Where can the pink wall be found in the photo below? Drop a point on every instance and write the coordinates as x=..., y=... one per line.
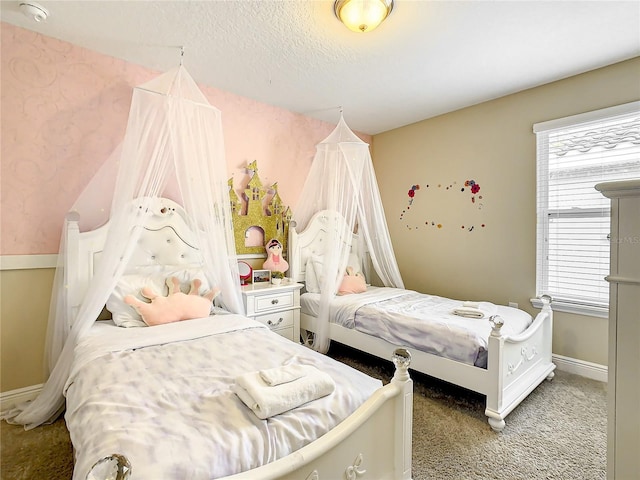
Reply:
x=64, y=109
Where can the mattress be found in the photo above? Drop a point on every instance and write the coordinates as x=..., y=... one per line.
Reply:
x=421, y=321
x=162, y=396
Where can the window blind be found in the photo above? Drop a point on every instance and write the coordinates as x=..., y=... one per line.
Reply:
x=573, y=155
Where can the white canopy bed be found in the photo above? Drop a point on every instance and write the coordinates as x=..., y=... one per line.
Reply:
x=162, y=401
x=163, y=397
x=341, y=197
x=504, y=367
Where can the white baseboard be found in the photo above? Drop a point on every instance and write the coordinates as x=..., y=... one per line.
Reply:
x=590, y=370
x=10, y=399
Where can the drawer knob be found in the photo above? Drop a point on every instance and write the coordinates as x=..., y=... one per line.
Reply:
x=270, y=323
x=274, y=301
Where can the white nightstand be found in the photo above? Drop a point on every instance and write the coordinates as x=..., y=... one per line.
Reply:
x=277, y=306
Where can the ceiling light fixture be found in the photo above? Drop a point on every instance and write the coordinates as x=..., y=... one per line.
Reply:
x=34, y=11
x=362, y=15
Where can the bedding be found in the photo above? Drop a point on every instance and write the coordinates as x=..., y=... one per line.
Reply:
x=421, y=321
x=163, y=396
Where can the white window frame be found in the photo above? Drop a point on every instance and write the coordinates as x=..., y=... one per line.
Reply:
x=568, y=304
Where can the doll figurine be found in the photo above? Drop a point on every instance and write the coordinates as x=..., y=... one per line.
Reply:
x=275, y=262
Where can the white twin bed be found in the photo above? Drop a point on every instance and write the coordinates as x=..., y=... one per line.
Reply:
x=162, y=398
x=503, y=355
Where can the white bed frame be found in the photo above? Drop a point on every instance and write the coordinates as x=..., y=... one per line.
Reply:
x=374, y=442
x=516, y=365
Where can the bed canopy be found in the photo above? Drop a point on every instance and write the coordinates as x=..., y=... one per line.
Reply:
x=173, y=148
x=342, y=180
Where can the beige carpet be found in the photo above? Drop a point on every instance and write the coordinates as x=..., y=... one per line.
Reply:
x=558, y=432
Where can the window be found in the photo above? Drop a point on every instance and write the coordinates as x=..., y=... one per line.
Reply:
x=573, y=155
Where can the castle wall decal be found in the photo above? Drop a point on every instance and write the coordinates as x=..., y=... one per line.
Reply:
x=258, y=215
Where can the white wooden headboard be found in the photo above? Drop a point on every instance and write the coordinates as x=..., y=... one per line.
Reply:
x=166, y=240
x=311, y=242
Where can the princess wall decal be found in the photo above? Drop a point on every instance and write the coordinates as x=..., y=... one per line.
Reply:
x=436, y=207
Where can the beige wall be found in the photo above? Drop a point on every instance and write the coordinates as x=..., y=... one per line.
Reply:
x=493, y=144
x=24, y=308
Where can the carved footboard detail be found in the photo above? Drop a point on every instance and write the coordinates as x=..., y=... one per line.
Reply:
x=524, y=358
x=354, y=471
x=517, y=364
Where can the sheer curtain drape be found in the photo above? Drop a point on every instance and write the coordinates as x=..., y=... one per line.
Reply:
x=342, y=179
x=173, y=147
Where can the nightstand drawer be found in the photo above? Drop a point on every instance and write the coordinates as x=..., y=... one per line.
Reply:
x=277, y=320
x=264, y=303
x=276, y=306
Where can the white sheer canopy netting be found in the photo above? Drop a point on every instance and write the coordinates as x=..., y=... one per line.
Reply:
x=173, y=147
x=342, y=180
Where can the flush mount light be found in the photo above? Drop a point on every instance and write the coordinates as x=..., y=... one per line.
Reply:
x=34, y=11
x=362, y=15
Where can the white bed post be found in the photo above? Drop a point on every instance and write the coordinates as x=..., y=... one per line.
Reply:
x=404, y=412
x=495, y=368
x=71, y=265
x=547, y=353
x=293, y=253
x=517, y=364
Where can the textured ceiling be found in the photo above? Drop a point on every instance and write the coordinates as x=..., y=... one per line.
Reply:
x=427, y=58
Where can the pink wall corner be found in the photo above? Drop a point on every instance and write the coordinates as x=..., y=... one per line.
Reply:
x=64, y=110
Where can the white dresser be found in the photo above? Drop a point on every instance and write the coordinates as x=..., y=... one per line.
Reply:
x=623, y=399
x=277, y=306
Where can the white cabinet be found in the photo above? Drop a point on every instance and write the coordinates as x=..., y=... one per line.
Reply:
x=623, y=390
x=277, y=306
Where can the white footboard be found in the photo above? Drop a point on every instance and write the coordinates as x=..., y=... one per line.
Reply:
x=515, y=365
x=518, y=364
x=372, y=443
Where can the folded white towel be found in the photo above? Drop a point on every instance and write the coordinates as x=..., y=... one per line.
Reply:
x=475, y=309
x=285, y=374
x=267, y=401
x=469, y=312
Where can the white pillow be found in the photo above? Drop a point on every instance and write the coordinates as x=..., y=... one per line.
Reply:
x=313, y=274
x=124, y=315
x=313, y=271
x=354, y=262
